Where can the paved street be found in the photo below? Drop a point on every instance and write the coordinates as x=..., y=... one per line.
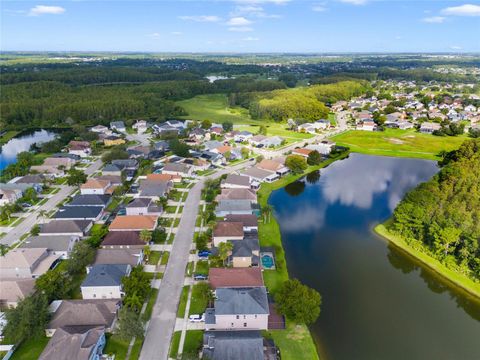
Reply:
x=14, y=235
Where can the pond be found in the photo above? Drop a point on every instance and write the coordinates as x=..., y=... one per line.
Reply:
x=22, y=142
x=377, y=302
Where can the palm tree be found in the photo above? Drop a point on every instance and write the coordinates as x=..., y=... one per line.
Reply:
x=147, y=251
x=267, y=211
x=145, y=235
x=42, y=214
x=224, y=250
x=3, y=249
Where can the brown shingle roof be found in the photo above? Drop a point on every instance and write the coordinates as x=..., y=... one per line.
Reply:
x=95, y=184
x=235, y=277
x=237, y=194
x=271, y=165
x=162, y=177
x=123, y=238
x=226, y=228
x=246, y=220
x=133, y=222
x=304, y=152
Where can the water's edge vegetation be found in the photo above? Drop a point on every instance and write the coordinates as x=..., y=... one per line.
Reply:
x=452, y=277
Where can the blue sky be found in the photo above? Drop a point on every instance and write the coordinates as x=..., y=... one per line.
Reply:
x=241, y=26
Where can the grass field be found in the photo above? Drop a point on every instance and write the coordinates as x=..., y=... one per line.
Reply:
x=215, y=108
x=459, y=280
x=400, y=143
x=277, y=129
x=295, y=342
x=30, y=349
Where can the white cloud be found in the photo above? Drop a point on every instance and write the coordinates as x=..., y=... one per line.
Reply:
x=276, y=2
x=354, y=2
x=176, y=33
x=250, y=38
x=398, y=37
x=238, y=21
x=154, y=35
x=455, y=47
x=462, y=10
x=44, y=9
x=319, y=8
x=240, y=29
x=200, y=18
x=434, y=19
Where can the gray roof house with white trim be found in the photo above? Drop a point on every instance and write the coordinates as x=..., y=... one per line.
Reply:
x=233, y=345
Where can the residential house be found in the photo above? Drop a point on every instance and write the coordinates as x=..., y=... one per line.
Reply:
x=183, y=170
x=235, y=277
x=100, y=129
x=242, y=136
x=234, y=181
x=101, y=201
x=154, y=188
x=367, y=125
x=273, y=166
x=212, y=144
x=257, y=140
x=225, y=230
x=118, y=126
x=115, y=180
x=26, y=263
x=123, y=240
x=112, y=170
x=302, y=152
x=75, y=344
x=35, y=181
x=14, y=290
x=80, y=148
x=133, y=223
x=197, y=134
x=48, y=171
x=165, y=129
x=214, y=158
x=104, y=281
x=324, y=147
x=93, y=213
x=61, y=245
x=237, y=345
x=250, y=222
x=238, y=207
x=77, y=314
x=141, y=126
x=73, y=157
x=238, y=309
x=246, y=252
x=237, y=194
x=9, y=196
x=95, y=187
x=164, y=177
x=78, y=228
x=429, y=127
x=260, y=175
x=162, y=145
x=143, y=206
x=60, y=162
x=132, y=257
x=113, y=141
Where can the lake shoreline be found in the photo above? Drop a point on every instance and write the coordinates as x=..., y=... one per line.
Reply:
x=269, y=235
x=453, y=278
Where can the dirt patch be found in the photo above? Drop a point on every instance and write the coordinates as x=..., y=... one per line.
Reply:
x=396, y=141
x=298, y=333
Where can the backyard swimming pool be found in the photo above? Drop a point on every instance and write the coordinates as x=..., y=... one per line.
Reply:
x=267, y=261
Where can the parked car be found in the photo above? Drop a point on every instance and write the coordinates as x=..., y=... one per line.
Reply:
x=197, y=318
x=200, y=277
x=26, y=205
x=204, y=253
x=122, y=212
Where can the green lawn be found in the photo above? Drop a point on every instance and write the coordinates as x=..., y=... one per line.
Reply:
x=453, y=277
x=401, y=143
x=165, y=257
x=202, y=267
x=277, y=129
x=198, y=303
x=151, y=301
x=295, y=342
x=136, y=349
x=8, y=136
x=174, y=344
x=173, y=209
x=193, y=343
x=30, y=349
x=154, y=257
x=116, y=346
x=183, y=302
x=113, y=204
x=215, y=108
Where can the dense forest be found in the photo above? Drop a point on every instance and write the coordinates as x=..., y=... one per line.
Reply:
x=299, y=103
x=442, y=216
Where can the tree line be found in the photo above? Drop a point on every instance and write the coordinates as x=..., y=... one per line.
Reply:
x=441, y=216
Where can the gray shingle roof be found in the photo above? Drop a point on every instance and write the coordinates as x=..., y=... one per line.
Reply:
x=233, y=345
x=78, y=212
x=234, y=205
x=106, y=275
x=139, y=202
x=89, y=200
x=237, y=180
x=245, y=247
x=65, y=226
x=50, y=242
x=241, y=301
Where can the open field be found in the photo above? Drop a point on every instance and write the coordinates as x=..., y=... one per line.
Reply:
x=215, y=108
x=459, y=280
x=276, y=129
x=400, y=143
x=295, y=342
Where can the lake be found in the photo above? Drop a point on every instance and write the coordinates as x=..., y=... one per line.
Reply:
x=377, y=302
x=22, y=142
